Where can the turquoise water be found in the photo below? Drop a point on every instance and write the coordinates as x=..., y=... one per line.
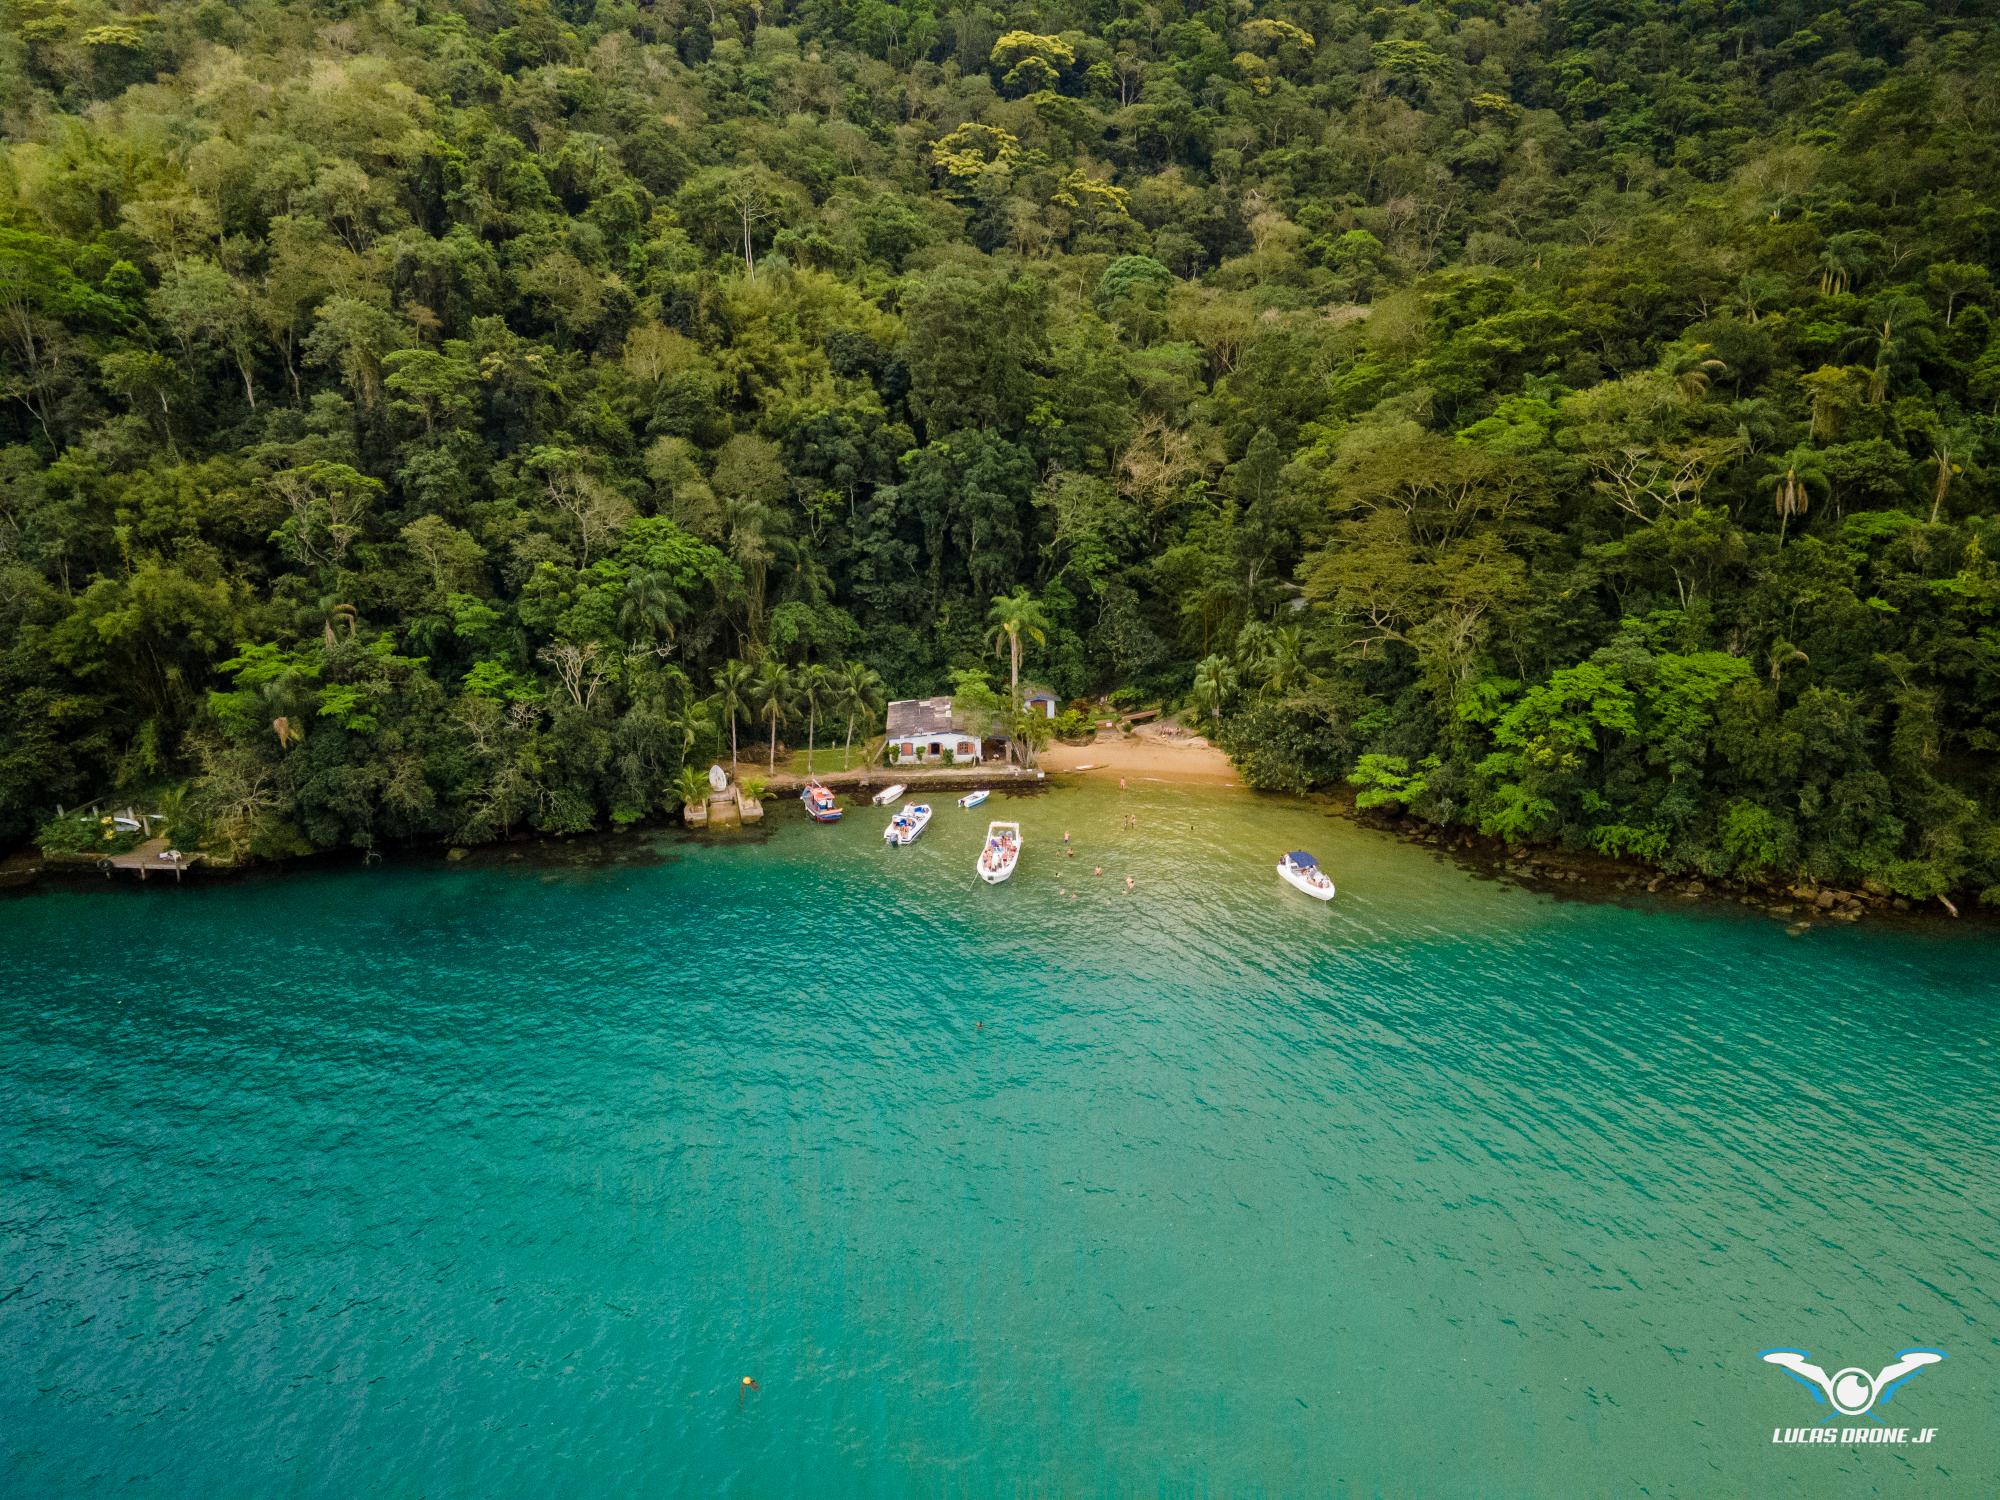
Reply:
x=496, y=1179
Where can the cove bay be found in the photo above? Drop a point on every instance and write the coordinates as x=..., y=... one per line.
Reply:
x=500, y=1178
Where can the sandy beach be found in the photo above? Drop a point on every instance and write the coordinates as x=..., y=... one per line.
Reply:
x=1143, y=757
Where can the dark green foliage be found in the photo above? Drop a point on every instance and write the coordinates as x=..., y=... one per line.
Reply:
x=1575, y=421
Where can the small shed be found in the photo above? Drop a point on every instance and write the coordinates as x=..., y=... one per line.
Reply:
x=1042, y=701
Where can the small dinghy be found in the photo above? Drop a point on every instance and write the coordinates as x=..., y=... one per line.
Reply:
x=1301, y=871
x=973, y=799
x=820, y=806
x=1002, y=852
x=907, y=824
x=889, y=794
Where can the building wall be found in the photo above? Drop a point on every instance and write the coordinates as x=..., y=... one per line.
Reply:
x=964, y=749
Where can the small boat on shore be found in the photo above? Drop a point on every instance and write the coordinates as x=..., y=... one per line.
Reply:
x=820, y=806
x=907, y=824
x=973, y=799
x=889, y=794
x=1002, y=852
x=1301, y=871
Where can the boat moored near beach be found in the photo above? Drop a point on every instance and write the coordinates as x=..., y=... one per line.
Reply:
x=1301, y=871
x=889, y=794
x=907, y=824
x=1002, y=852
x=973, y=799
x=820, y=806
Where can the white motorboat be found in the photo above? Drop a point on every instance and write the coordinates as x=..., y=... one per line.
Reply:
x=907, y=824
x=1301, y=871
x=889, y=794
x=1001, y=853
x=973, y=799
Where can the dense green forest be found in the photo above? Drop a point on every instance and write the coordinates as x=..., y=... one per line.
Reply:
x=1573, y=421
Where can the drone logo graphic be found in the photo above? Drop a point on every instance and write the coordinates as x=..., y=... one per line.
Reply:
x=1851, y=1392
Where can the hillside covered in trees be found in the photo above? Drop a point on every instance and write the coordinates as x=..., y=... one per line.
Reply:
x=1574, y=420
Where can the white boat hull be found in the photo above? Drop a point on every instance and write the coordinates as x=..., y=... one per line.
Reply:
x=1300, y=880
x=889, y=794
x=972, y=799
x=907, y=824
x=1000, y=853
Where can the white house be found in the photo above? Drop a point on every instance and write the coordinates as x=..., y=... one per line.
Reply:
x=923, y=729
x=1041, y=701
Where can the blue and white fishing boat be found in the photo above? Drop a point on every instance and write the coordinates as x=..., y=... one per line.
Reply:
x=1301, y=871
x=973, y=799
x=820, y=806
x=907, y=824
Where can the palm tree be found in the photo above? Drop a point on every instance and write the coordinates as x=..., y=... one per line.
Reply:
x=1843, y=259
x=651, y=608
x=1695, y=371
x=1756, y=423
x=690, y=725
x=1214, y=681
x=690, y=786
x=1793, y=478
x=862, y=694
x=1011, y=617
x=1783, y=654
x=1888, y=332
x=1948, y=447
x=732, y=697
x=1834, y=390
x=771, y=691
x=813, y=684
x=1282, y=661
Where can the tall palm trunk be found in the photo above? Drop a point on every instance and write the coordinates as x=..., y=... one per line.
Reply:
x=1013, y=688
x=772, y=766
x=847, y=755
x=812, y=724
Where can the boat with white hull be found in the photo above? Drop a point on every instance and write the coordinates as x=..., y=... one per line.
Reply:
x=907, y=824
x=1301, y=871
x=889, y=794
x=972, y=799
x=1001, y=853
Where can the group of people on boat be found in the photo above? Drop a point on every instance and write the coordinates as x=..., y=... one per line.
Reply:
x=1000, y=848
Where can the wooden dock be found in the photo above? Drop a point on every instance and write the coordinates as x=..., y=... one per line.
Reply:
x=147, y=860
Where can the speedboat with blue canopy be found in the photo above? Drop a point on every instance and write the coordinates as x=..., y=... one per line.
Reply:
x=1301, y=871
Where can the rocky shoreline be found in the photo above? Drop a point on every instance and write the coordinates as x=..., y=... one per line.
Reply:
x=1603, y=876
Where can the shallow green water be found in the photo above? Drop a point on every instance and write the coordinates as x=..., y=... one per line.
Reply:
x=496, y=1179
